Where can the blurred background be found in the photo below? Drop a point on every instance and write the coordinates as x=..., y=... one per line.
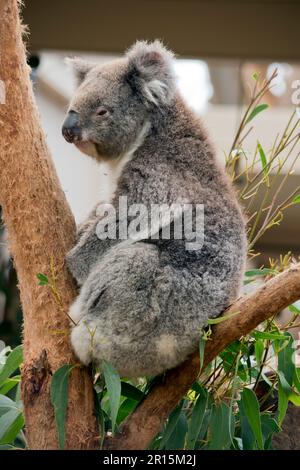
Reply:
x=219, y=45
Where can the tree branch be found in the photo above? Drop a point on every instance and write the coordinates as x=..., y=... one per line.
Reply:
x=41, y=229
x=147, y=420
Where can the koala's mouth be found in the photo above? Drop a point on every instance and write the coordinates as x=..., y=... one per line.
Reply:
x=84, y=145
x=87, y=147
x=73, y=133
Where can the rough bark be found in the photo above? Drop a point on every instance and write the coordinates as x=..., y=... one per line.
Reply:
x=41, y=228
x=142, y=426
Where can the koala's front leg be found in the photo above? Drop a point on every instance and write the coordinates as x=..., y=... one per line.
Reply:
x=73, y=258
x=81, y=256
x=87, y=224
x=88, y=249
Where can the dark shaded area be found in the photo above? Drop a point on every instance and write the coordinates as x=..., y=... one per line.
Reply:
x=33, y=61
x=10, y=308
x=243, y=29
x=289, y=437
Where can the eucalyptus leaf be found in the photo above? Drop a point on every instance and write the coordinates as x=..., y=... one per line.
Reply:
x=286, y=363
x=215, y=321
x=219, y=428
x=59, y=399
x=196, y=420
x=8, y=447
x=297, y=378
x=13, y=361
x=247, y=436
x=129, y=391
x=282, y=404
x=9, y=384
x=264, y=162
x=269, y=427
x=177, y=438
x=13, y=430
x=259, y=350
x=127, y=407
x=7, y=403
x=3, y=355
x=171, y=424
x=295, y=310
x=295, y=399
x=296, y=199
x=251, y=409
x=258, y=109
x=284, y=384
x=268, y=335
x=259, y=272
x=202, y=344
x=6, y=422
x=113, y=384
x=202, y=441
x=43, y=279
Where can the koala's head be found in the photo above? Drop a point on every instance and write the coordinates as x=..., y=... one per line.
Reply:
x=115, y=101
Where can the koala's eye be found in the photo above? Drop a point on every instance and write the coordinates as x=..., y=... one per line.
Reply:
x=101, y=111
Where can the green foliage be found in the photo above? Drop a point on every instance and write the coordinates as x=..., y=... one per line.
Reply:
x=296, y=199
x=224, y=411
x=259, y=272
x=43, y=279
x=11, y=407
x=260, y=176
x=177, y=438
x=197, y=418
x=215, y=321
x=250, y=407
x=113, y=383
x=170, y=426
x=59, y=400
x=258, y=109
x=12, y=362
x=220, y=427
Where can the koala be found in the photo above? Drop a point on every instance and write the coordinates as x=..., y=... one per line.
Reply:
x=144, y=301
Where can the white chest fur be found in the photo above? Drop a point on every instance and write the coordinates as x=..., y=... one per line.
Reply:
x=111, y=171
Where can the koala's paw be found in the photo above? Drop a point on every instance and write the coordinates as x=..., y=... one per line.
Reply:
x=76, y=310
x=81, y=343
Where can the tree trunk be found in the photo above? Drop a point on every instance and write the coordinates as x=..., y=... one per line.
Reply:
x=41, y=230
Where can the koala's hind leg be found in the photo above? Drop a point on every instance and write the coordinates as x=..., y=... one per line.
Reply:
x=117, y=309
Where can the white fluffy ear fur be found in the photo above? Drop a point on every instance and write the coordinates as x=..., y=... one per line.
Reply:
x=80, y=67
x=151, y=71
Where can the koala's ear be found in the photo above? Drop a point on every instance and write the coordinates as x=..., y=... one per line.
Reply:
x=79, y=66
x=151, y=71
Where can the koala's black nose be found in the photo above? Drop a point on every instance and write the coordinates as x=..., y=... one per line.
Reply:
x=71, y=129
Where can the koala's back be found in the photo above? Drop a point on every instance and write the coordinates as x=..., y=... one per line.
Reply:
x=178, y=164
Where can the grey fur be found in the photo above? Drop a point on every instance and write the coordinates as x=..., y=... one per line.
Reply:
x=142, y=305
